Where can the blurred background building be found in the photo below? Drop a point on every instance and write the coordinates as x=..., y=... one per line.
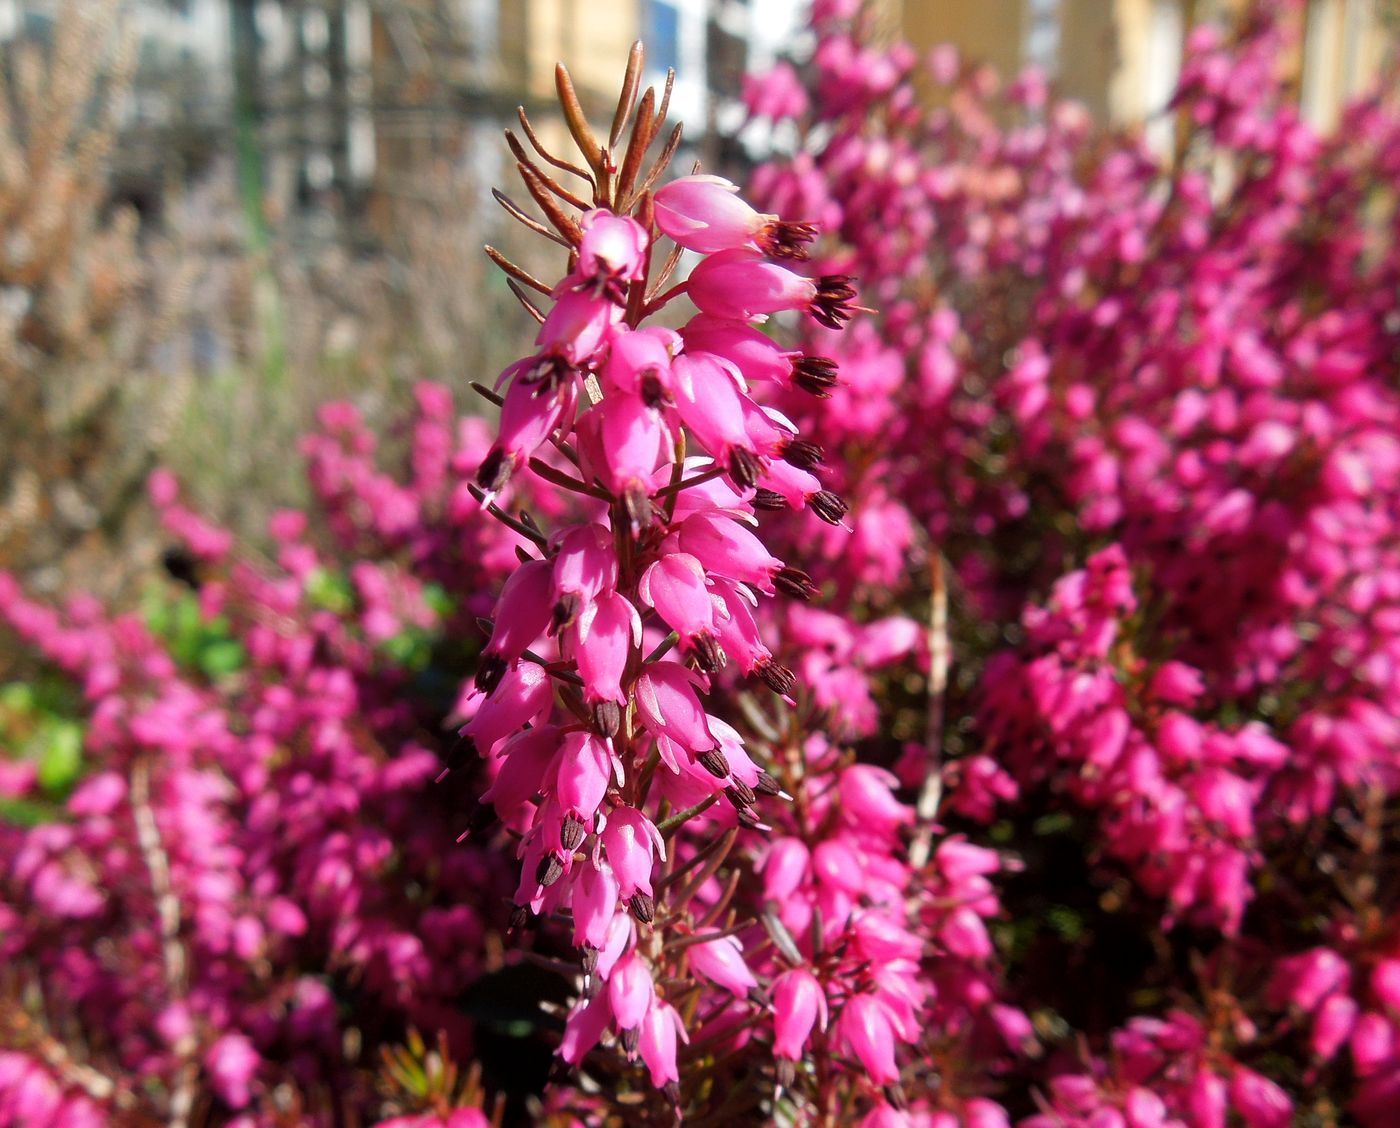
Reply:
x=1121, y=57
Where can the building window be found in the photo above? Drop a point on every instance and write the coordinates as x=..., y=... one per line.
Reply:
x=661, y=33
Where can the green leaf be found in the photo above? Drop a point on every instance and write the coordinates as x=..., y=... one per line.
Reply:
x=61, y=760
x=221, y=657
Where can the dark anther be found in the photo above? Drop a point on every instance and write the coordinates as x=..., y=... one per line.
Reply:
x=714, y=762
x=638, y=504
x=741, y=794
x=795, y=582
x=643, y=907
x=631, y=1038
x=607, y=718
x=550, y=870
x=769, y=499
x=786, y=240
x=744, y=468
x=519, y=916
x=814, y=374
x=489, y=674
x=708, y=653
x=494, y=471
x=803, y=453
x=777, y=677
x=653, y=391
x=571, y=832
x=547, y=374
x=565, y=612
x=748, y=817
x=590, y=960
x=832, y=305
x=462, y=751
x=828, y=506
x=767, y=785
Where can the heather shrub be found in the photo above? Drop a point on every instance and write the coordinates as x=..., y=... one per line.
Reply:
x=967, y=701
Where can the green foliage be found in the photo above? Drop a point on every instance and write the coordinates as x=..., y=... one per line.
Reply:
x=204, y=645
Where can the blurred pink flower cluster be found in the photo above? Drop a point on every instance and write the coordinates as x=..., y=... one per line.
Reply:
x=1145, y=418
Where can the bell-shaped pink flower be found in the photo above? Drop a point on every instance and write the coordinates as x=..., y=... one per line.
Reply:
x=624, y=442
x=523, y=696
x=705, y=213
x=726, y=548
x=584, y=1027
x=799, y=1003
x=711, y=404
x=586, y=767
x=674, y=587
x=750, y=351
x=1260, y=1102
x=669, y=707
x=721, y=961
x=632, y=843
x=1333, y=1024
x=529, y=415
x=639, y=363
x=867, y=796
x=522, y=613
x=600, y=641
x=659, y=1031
x=785, y=868
x=585, y=566
x=867, y=1032
x=577, y=326
x=611, y=252
x=525, y=759
x=631, y=990
x=743, y=284
x=595, y=893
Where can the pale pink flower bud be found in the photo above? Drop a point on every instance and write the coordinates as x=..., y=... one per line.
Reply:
x=866, y=1029
x=631, y=991
x=721, y=961
x=584, y=1027
x=232, y=1064
x=799, y=1003
x=1335, y=1020
x=595, y=894
x=1260, y=1102
x=658, y=1042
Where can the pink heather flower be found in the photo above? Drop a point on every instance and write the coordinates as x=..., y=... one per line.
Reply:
x=600, y=642
x=660, y=1028
x=1333, y=1025
x=675, y=587
x=1260, y=1102
x=594, y=900
x=584, y=1027
x=866, y=1031
x=611, y=252
x=669, y=708
x=632, y=843
x=798, y=1004
x=232, y=1064
x=575, y=329
x=721, y=961
x=522, y=613
x=639, y=363
x=585, y=566
x=631, y=991
x=742, y=285
x=705, y=213
x=529, y=415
